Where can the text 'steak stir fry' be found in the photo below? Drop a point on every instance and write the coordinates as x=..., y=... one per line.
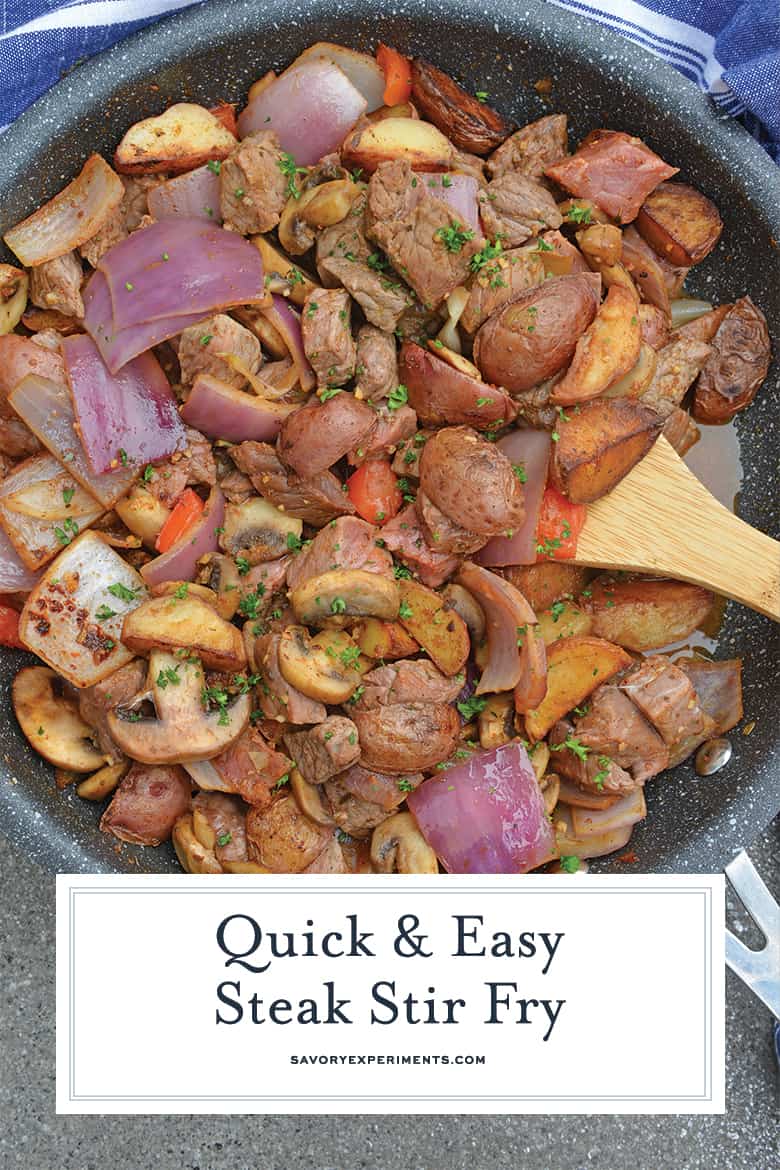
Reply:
x=300, y=416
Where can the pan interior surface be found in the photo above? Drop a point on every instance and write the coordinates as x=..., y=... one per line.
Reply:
x=212, y=53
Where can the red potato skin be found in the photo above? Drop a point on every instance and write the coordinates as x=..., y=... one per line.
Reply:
x=615, y=170
x=147, y=804
x=468, y=123
x=519, y=349
x=471, y=482
x=679, y=223
x=441, y=394
x=409, y=737
x=737, y=367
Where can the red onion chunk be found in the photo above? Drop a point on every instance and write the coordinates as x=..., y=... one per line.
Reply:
x=460, y=193
x=506, y=614
x=179, y=563
x=486, y=815
x=220, y=411
x=195, y=194
x=14, y=577
x=287, y=322
x=531, y=450
x=132, y=412
x=311, y=107
x=207, y=269
x=119, y=346
x=47, y=409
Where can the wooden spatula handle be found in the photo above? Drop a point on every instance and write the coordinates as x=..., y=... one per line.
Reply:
x=661, y=519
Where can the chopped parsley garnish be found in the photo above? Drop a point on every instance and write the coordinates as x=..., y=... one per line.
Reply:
x=219, y=698
x=286, y=165
x=328, y=393
x=338, y=605
x=573, y=744
x=350, y=655
x=248, y=605
x=214, y=166
x=485, y=401
x=454, y=236
x=68, y=532
x=294, y=542
x=604, y=763
x=570, y=864
x=471, y=707
x=168, y=677
x=557, y=610
x=67, y=495
x=520, y=472
x=123, y=592
x=312, y=308
x=122, y=456
x=358, y=691
x=579, y=214
x=181, y=591
x=401, y=573
x=377, y=261
x=148, y=473
x=405, y=610
x=481, y=95
x=206, y=338
x=295, y=276
x=405, y=785
x=224, y=838
x=243, y=566
x=104, y=612
x=485, y=255
x=398, y=397
x=280, y=783
x=543, y=246
x=446, y=181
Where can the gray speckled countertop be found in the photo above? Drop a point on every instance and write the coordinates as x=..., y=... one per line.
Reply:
x=32, y=1137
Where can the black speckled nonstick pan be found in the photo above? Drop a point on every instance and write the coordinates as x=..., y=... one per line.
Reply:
x=214, y=51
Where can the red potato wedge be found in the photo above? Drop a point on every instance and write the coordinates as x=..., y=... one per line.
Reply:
x=658, y=281
x=387, y=640
x=679, y=223
x=469, y=123
x=183, y=137
x=189, y=623
x=546, y=582
x=737, y=366
x=432, y=622
x=567, y=619
x=599, y=446
x=575, y=667
x=644, y=614
x=602, y=242
x=420, y=143
x=441, y=394
x=607, y=350
x=615, y=170
x=225, y=113
x=654, y=326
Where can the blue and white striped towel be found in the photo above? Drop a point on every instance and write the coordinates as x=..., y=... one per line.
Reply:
x=730, y=48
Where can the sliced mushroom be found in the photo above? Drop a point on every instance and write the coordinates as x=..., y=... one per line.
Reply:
x=193, y=855
x=102, y=783
x=465, y=604
x=332, y=598
x=398, y=846
x=14, y=283
x=497, y=721
x=279, y=267
x=309, y=799
x=258, y=531
x=188, y=588
x=51, y=721
x=455, y=360
x=551, y=789
x=539, y=755
x=188, y=623
x=296, y=233
x=143, y=514
x=177, y=727
x=219, y=573
x=320, y=667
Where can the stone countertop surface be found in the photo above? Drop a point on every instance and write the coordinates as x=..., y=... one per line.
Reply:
x=33, y=1137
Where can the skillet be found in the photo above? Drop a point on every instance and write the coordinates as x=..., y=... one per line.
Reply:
x=213, y=52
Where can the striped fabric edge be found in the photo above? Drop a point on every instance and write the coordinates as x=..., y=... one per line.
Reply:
x=100, y=14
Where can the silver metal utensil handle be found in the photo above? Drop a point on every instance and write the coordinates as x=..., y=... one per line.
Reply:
x=760, y=970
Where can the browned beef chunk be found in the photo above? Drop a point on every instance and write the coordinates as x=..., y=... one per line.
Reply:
x=377, y=788
x=424, y=241
x=236, y=487
x=147, y=804
x=206, y=348
x=317, y=435
x=666, y=697
x=253, y=187
x=407, y=681
x=194, y=465
x=391, y=428
x=404, y=536
x=679, y=363
x=345, y=240
x=381, y=295
x=515, y=208
x=324, y=750
x=277, y=699
x=593, y=771
x=327, y=336
x=614, y=727
x=347, y=543
x=316, y=499
x=531, y=149
x=251, y=768
x=96, y=701
x=56, y=284
x=377, y=363
x=132, y=211
x=353, y=814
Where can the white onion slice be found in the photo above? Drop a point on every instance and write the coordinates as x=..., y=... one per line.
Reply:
x=361, y=69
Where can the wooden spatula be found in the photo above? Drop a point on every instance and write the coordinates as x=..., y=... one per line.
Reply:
x=661, y=519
